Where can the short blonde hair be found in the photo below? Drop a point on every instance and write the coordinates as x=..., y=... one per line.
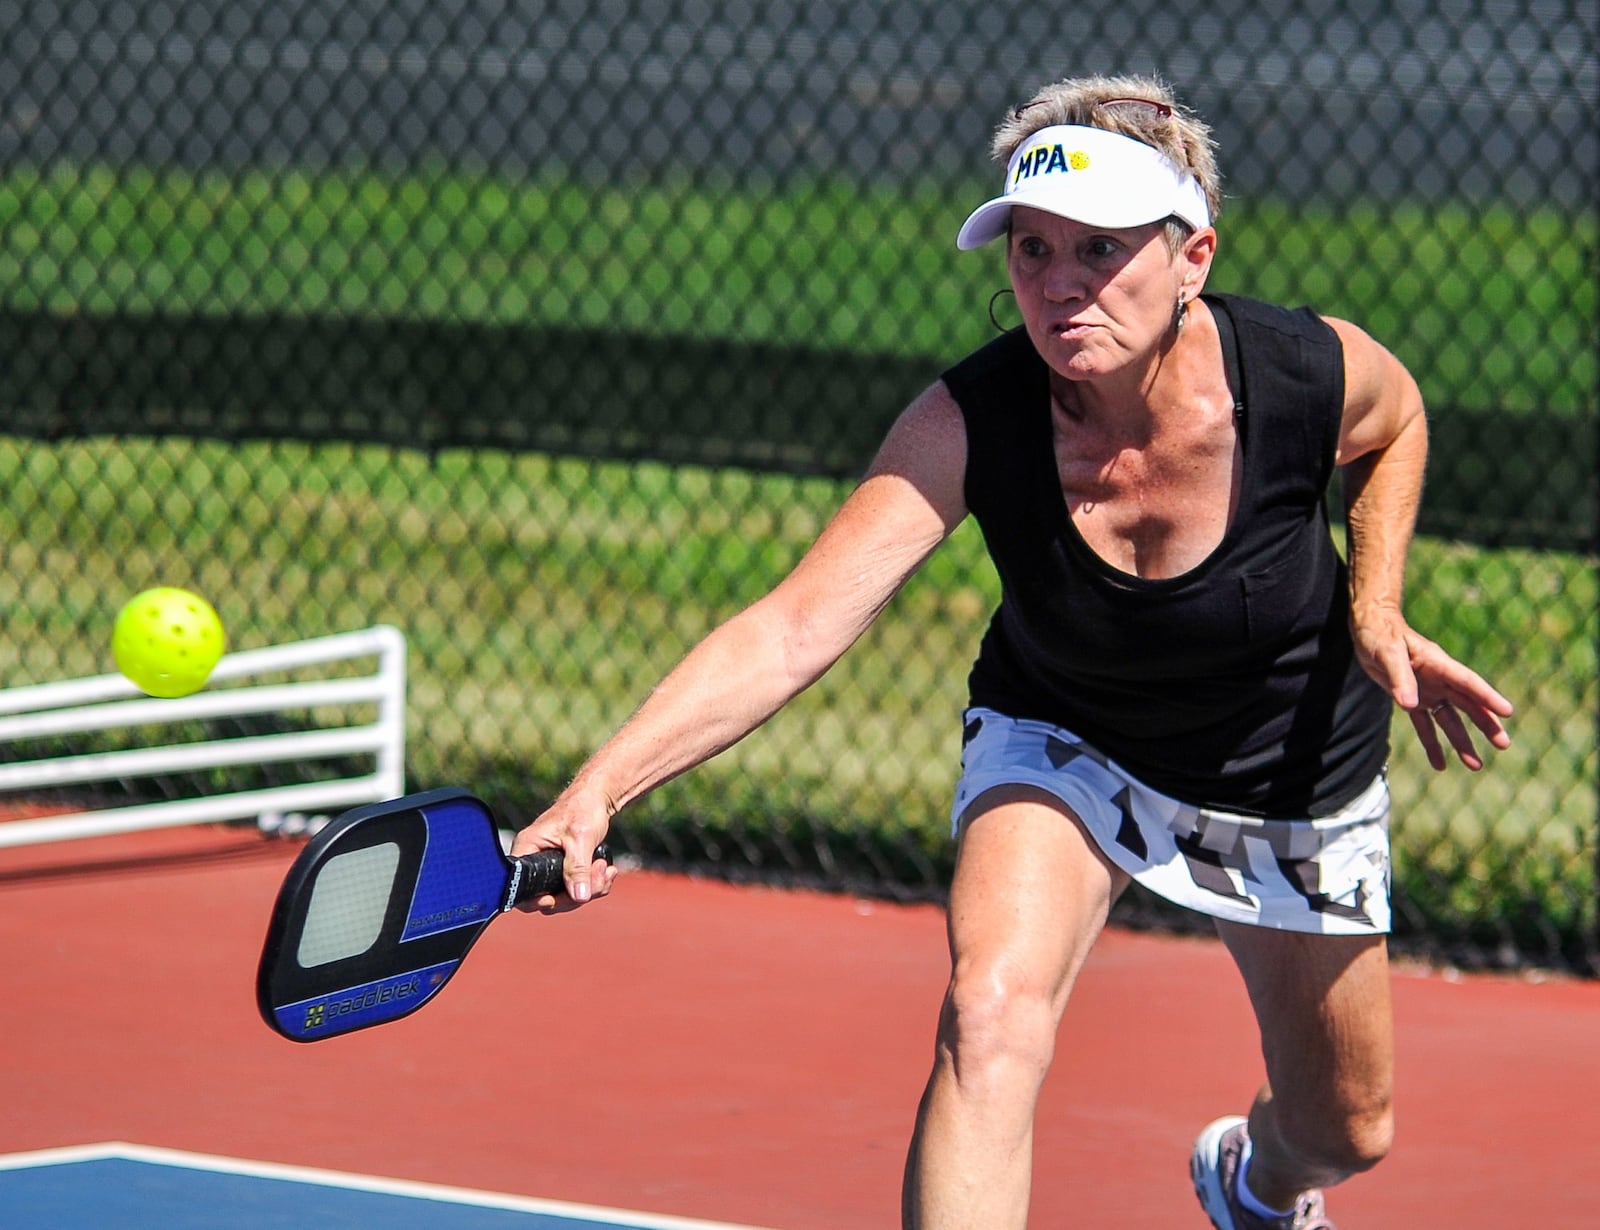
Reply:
x=1169, y=126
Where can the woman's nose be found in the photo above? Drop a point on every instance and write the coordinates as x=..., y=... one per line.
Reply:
x=1064, y=280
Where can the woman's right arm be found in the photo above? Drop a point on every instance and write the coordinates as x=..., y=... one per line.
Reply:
x=749, y=667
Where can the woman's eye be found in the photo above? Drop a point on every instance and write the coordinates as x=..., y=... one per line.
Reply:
x=1030, y=245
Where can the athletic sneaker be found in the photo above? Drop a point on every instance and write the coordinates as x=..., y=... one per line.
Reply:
x=1214, y=1167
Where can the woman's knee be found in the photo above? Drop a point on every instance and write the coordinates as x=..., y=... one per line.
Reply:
x=997, y=1025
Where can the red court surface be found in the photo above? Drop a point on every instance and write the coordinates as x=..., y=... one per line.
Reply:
x=730, y=1053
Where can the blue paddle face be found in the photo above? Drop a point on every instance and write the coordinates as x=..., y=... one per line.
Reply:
x=378, y=912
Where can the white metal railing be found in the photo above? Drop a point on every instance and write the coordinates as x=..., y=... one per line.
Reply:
x=110, y=702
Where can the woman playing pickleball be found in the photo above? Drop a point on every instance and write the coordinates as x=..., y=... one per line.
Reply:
x=1184, y=683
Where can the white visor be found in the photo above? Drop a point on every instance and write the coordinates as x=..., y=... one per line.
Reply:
x=1092, y=176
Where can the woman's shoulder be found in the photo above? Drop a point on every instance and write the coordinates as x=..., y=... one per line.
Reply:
x=1004, y=359
x=1253, y=316
x=1293, y=371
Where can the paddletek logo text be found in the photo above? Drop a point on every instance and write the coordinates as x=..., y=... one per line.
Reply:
x=325, y=1013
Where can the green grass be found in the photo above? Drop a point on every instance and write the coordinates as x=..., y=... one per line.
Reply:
x=1488, y=305
x=542, y=597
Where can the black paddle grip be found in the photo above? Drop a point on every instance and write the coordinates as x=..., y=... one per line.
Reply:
x=540, y=872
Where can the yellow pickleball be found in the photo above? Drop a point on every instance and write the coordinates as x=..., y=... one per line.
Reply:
x=167, y=641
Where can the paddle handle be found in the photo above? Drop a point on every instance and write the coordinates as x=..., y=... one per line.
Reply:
x=535, y=874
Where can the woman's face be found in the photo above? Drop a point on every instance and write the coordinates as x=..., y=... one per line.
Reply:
x=1096, y=301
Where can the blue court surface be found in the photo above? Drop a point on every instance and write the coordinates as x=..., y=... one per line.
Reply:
x=132, y=1187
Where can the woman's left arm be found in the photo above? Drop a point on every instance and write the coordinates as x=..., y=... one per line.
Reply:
x=1383, y=450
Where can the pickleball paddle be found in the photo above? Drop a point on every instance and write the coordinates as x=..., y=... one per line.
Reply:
x=383, y=905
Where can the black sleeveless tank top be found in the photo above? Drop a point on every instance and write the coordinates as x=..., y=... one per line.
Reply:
x=1232, y=686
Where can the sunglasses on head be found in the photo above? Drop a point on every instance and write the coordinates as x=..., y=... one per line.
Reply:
x=1160, y=109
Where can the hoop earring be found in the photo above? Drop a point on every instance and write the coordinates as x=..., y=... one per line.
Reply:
x=1004, y=290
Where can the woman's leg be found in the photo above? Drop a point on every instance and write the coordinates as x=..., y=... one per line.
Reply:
x=1030, y=896
x=1323, y=1006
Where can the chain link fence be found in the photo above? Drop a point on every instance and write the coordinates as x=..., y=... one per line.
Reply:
x=551, y=333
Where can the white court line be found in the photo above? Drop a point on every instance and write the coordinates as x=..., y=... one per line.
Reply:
x=121, y=1151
